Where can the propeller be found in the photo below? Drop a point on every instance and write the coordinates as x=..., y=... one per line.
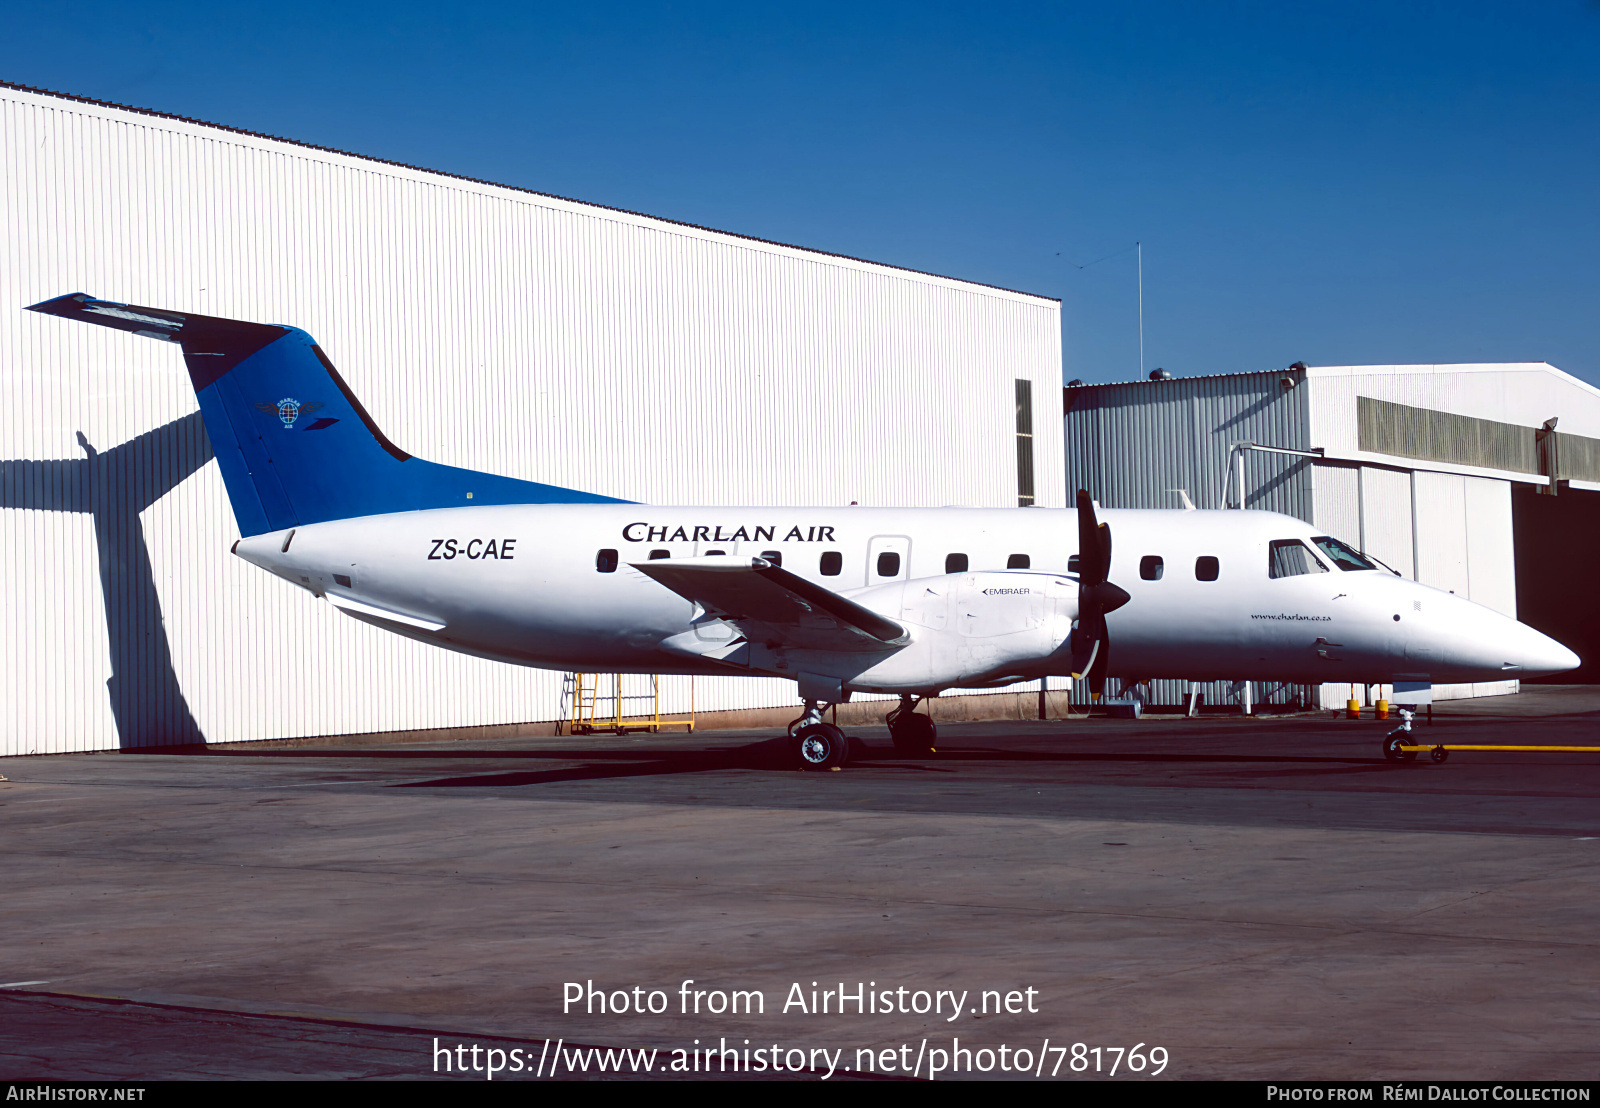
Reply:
x=1096, y=597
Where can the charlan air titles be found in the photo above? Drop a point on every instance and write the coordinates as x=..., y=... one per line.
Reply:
x=447, y=550
x=645, y=532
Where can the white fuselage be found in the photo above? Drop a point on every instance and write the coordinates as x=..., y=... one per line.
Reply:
x=528, y=584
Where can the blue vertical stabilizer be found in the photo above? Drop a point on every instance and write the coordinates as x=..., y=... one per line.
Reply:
x=294, y=443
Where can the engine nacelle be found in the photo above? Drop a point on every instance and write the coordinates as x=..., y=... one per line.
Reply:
x=968, y=628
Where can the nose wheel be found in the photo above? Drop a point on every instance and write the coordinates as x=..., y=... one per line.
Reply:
x=1394, y=749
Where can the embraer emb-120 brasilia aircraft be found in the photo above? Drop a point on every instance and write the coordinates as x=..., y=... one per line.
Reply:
x=911, y=601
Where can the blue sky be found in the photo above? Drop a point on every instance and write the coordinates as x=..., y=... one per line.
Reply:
x=1340, y=184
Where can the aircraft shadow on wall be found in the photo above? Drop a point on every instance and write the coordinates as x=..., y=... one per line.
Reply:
x=113, y=487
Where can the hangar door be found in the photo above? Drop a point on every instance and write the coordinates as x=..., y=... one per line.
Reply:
x=1557, y=567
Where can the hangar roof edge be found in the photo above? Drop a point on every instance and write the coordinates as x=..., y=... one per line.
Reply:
x=1449, y=367
x=1367, y=370
x=514, y=188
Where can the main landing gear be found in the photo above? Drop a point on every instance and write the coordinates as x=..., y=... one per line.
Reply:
x=818, y=745
x=912, y=733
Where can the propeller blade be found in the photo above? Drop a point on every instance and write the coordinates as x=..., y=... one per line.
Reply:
x=1097, y=674
x=1094, y=543
x=1091, y=647
x=1083, y=658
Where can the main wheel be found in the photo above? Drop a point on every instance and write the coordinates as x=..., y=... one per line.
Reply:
x=913, y=733
x=1392, y=749
x=820, y=746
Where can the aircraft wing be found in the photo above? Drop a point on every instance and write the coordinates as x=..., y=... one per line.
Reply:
x=772, y=605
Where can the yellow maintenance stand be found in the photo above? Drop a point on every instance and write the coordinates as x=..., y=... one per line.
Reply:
x=583, y=692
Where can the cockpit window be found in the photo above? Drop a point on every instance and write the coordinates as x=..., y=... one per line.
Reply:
x=1290, y=558
x=1345, y=557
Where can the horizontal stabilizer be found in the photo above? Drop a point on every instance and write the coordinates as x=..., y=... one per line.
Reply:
x=767, y=602
x=211, y=345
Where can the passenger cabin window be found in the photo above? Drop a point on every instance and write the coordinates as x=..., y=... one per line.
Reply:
x=606, y=561
x=888, y=564
x=1341, y=555
x=1206, y=568
x=713, y=553
x=1151, y=567
x=955, y=563
x=773, y=556
x=657, y=555
x=1017, y=561
x=1290, y=558
x=1072, y=564
x=832, y=563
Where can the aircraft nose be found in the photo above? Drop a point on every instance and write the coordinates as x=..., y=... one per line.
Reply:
x=1534, y=654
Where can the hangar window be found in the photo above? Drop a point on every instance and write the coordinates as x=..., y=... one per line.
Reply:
x=657, y=555
x=1206, y=568
x=773, y=556
x=1018, y=561
x=888, y=564
x=1151, y=567
x=955, y=563
x=832, y=563
x=1290, y=558
x=606, y=561
x=1343, y=556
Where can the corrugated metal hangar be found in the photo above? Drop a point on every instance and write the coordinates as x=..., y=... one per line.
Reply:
x=483, y=326
x=1480, y=479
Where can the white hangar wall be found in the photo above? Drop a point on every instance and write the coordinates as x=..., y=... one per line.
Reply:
x=483, y=326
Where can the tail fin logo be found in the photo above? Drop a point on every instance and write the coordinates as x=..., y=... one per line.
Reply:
x=289, y=410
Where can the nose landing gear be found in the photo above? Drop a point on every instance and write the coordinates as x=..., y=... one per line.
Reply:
x=1395, y=743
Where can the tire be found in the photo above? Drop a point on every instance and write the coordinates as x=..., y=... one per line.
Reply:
x=913, y=734
x=1392, y=751
x=820, y=746
x=1439, y=754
